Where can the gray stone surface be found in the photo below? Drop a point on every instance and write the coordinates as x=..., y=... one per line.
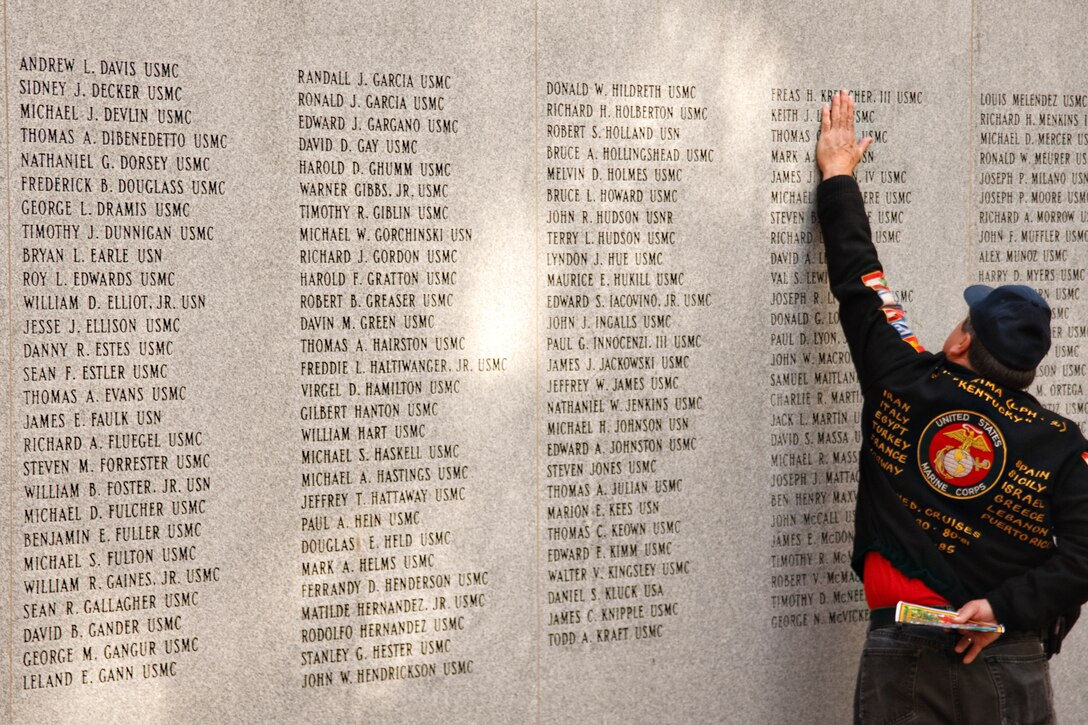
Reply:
x=513, y=392
x=1028, y=67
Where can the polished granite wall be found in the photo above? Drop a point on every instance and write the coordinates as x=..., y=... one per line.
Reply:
x=475, y=362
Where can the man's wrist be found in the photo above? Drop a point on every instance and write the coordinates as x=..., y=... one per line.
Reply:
x=832, y=172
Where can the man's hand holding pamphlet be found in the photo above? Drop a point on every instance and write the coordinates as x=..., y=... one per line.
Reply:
x=906, y=613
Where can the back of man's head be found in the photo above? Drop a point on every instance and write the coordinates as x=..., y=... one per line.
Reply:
x=1010, y=332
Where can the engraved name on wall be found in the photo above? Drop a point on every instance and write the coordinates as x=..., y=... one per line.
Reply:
x=115, y=198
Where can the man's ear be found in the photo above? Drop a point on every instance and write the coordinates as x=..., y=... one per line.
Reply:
x=959, y=348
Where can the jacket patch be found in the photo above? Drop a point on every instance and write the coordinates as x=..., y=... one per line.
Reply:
x=893, y=311
x=961, y=454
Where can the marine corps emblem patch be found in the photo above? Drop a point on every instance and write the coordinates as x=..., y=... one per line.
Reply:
x=961, y=454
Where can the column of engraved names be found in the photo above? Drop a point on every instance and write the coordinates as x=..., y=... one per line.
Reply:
x=813, y=392
x=113, y=191
x=621, y=343
x=383, y=369
x=1032, y=176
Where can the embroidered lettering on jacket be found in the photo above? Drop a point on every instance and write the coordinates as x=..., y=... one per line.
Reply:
x=893, y=311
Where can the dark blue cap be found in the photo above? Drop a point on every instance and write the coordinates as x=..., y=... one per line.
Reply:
x=1012, y=322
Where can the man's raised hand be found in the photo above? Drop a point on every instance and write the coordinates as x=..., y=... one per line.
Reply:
x=838, y=151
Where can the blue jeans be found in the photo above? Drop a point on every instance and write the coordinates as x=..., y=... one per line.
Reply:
x=911, y=674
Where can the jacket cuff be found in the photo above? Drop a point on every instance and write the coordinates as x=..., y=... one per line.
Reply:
x=836, y=184
x=1002, y=610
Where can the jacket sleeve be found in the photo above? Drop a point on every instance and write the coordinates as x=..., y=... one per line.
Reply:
x=1036, y=598
x=872, y=319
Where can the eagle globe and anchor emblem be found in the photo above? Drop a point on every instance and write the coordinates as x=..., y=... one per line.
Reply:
x=959, y=462
x=962, y=454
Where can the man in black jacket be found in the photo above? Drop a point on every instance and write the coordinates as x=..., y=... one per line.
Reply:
x=972, y=496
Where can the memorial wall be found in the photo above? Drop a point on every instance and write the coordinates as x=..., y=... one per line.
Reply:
x=430, y=362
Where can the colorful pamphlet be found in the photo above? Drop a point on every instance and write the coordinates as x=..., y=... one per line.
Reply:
x=907, y=613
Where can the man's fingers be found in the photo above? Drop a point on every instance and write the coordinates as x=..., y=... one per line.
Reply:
x=865, y=143
x=971, y=645
x=971, y=610
x=838, y=151
x=846, y=112
x=965, y=613
x=968, y=648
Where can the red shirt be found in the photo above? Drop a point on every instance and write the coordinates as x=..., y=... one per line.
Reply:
x=886, y=586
